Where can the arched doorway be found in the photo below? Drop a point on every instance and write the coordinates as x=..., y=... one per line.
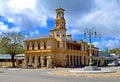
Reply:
x=71, y=60
x=27, y=62
x=74, y=62
x=67, y=61
x=77, y=61
x=45, y=61
x=39, y=62
x=27, y=59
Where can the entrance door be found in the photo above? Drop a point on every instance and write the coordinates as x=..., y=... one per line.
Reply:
x=39, y=62
x=45, y=61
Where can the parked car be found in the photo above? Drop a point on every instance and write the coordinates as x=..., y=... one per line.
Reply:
x=119, y=61
x=114, y=63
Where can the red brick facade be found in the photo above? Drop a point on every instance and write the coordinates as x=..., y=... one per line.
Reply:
x=95, y=51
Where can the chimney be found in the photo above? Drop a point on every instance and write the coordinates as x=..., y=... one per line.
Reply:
x=69, y=37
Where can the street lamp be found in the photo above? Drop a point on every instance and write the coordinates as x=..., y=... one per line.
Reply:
x=89, y=32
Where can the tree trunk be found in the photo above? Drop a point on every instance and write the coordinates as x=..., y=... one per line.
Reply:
x=13, y=62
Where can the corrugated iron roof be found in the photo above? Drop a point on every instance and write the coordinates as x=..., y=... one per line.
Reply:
x=38, y=37
x=5, y=56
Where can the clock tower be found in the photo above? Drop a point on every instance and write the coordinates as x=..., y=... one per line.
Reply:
x=60, y=21
x=59, y=32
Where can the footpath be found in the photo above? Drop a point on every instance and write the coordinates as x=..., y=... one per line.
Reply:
x=65, y=72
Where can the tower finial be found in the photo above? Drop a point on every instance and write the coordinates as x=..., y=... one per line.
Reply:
x=60, y=4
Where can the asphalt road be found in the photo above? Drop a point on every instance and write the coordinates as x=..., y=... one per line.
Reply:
x=40, y=75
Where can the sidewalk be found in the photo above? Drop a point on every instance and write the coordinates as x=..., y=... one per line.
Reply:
x=1, y=70
x=65, y=72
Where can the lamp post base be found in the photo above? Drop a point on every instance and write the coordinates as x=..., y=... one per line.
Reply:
x=91, y=68
x=90, y=64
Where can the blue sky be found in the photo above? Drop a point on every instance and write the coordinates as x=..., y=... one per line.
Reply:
x=38, y=16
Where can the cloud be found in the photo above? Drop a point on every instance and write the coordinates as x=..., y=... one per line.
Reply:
x=36, y=32
x=22, y=4
x=22, y=13
x=105, y=17
x=29, y=13
x=107, y=44
x=4, y=28
x=102, y=14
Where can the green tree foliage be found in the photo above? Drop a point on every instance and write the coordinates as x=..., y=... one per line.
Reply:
x=115, y=51
x=12, y=43
x=92, y=45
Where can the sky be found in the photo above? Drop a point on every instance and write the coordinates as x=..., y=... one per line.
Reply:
x=37, y=17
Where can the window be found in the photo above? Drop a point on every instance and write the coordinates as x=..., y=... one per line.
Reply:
x=71, y=47
x=58, y=44
x=58, y=35
x=58, y=14
x=27, y=59
x=80, y=60
x=68, y=46
x=67, y=58
x=84, y=60
x=80, y=47
x=84, y=48
x=33, y=59
x=63, y=35
x=38, y=45
x=45, y=45
x=74, y=47
x=33, y=46
x=39, y=59
x=63, y=44
x=27, y=46
x=71, y=60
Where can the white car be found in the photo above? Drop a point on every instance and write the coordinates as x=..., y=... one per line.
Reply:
x=114, y=63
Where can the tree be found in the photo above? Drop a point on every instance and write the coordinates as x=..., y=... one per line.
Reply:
x=92, y=45
x=112, y=51
x=12, y=43
x=115, y=51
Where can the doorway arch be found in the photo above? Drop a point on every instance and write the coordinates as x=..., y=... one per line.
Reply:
x=45, y=61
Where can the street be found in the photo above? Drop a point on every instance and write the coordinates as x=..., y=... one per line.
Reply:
x=40, y=75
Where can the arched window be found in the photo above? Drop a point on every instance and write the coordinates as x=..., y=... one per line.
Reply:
x=84, y=48
x=38, y=45
x=80, y=47
x=58, y=44
x=74, y=47
x=84, y=60
x=45, y=45
x=58, y=35
x=74, y=60
x=33, y=46
x=67, y=46
x=63, y=44
x=71, y=60
x=39, y=59
x=71, y=46
x=27, y=59
x=77, y=61
x=80, y=60
x=58, y=14
x=27, y=46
